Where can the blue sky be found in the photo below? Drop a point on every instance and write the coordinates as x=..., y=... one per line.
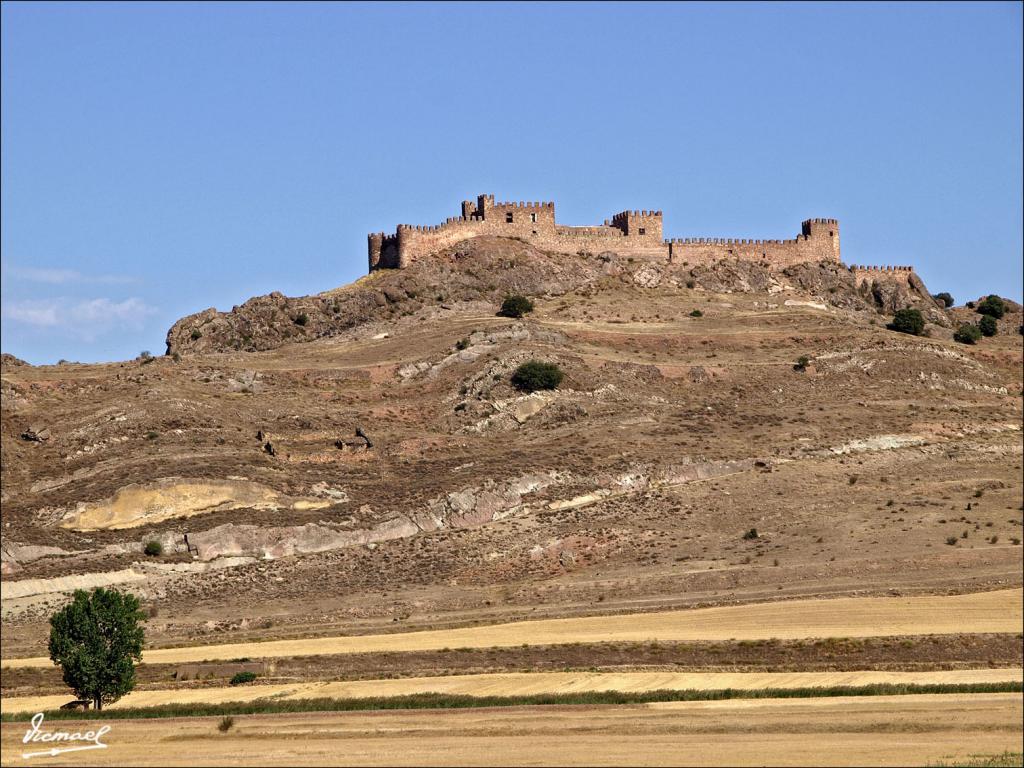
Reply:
x=160, y=159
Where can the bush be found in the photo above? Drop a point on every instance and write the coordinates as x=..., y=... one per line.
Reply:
x=196, y=334
x=993, y=306
x=153, y=548
x=967, y=334
x=945, y=299
x=515, y=306
x=301, y=319
x=535, y=375
x=988, y=325
x=226, y=724
x=462, y=343
x=751, y=534
x=907, y=321
x=951, y=540
x=696, y=313
x=240, y=678
x=801, y=363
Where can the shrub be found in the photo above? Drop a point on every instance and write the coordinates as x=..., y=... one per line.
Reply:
x=967, y=334
x=696, y=313
x=908, y=321
x=951, y=540
x=535, y=375
x=462, y=343
x=945, y=299
x=993, y=306
x=196, y=334
x=151, y=435
x=515, y=306
x=988, y=325
x=153, y=548
x=301, y=319
x=801, y=363
x=751, y=534
x=226, y=724
x=240, y=678
x=690, y=284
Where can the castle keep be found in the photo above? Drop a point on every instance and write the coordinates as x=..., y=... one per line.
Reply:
x=630, y=233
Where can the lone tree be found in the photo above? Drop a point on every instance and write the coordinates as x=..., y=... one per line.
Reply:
x=908, y=321
x=96, y=641
x=515, y=306
x=945, y=299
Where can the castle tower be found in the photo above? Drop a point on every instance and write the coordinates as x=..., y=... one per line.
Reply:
x=824, y=233
x=375, y=241
x=639, y=223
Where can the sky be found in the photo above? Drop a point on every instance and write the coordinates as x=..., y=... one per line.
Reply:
x=159, y=159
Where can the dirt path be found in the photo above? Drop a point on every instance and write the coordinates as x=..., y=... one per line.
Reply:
x=883, y=730
x=998, y=611
x=524, y=684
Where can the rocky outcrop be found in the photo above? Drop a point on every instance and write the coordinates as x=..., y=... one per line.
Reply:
x=10, y=361
x=486, y=269
x=171, y=498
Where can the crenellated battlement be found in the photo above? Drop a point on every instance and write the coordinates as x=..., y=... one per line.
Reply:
x=863, y=268
x=634, y=233
x=865, y=275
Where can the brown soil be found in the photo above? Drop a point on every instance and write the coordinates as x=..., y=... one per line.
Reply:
x=877, y=730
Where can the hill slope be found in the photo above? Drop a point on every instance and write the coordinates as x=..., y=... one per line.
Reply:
x=385, y=473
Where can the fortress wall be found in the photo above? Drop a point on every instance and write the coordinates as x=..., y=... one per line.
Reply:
x=534, y=222
x=867, y=275
x=778, y=252
x=818, y=241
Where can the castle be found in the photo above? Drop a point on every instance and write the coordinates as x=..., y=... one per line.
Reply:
x=630, y=233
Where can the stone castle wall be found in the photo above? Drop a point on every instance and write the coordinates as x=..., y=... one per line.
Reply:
x=868, y=275
x=630, y=233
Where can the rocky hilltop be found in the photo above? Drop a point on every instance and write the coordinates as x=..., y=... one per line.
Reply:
x=722, y=433
x=481, y=272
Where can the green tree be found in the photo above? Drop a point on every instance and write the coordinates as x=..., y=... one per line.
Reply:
x=908, y=321
x=945, y=298
x=96, y=640
x=988, y=325
x=967, y=334
x=993, y=306
x=535, y=375
x=515, y=306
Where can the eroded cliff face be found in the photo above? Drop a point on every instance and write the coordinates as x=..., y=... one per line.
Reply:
x=479, y=273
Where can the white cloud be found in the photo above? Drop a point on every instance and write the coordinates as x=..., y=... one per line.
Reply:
x=40, y=313
x=81, y=318
x=52, y=276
